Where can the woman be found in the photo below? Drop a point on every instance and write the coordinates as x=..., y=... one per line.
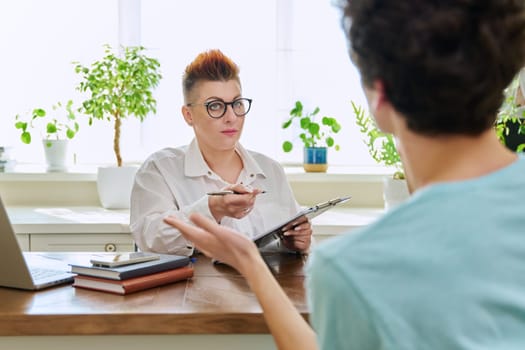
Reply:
x=178, y=181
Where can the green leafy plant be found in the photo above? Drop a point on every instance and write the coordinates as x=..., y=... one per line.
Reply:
x=314, y=134
x=381, y=146
x=61, y=124
x=511, y=118
x=119, y=87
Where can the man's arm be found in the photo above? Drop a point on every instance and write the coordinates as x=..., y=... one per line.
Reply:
x=287, y=326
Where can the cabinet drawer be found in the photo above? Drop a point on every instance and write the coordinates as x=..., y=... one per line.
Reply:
x=87, y=242
x=23, y=241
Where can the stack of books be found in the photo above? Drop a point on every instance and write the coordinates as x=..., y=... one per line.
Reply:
x=124, y=273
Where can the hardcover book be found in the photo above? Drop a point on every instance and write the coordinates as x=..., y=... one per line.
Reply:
x=135, y=284
x=165, y=262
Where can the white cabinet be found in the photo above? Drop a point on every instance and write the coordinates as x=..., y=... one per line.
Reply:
x=71, y=229
x=86, y=242
x=23, y=242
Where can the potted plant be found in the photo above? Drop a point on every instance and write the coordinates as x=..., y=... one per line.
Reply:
x=316, y=137
x=56, y=128
x=382, y=148
x=118, y=87
x=510, y=122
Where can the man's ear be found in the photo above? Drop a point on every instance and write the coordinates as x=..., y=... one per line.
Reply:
x=380, y=106
x=377, y=97
x=186, y=113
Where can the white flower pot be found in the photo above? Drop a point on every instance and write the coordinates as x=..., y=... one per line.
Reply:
x=56, y=154
x=114, y=186
x=395, y=191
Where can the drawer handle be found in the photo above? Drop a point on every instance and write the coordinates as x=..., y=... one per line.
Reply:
x=110, y=247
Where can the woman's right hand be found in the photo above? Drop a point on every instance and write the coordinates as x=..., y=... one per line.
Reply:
x=236, y=205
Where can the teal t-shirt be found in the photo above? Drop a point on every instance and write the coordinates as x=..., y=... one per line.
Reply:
x=445, y=270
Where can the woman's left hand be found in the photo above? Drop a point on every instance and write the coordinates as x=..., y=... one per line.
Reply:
x=298, y=236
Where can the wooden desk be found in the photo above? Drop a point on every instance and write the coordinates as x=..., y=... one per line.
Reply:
x=216, y=300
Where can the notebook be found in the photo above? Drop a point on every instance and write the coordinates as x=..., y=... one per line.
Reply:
x=23, y=270
x=276, y=233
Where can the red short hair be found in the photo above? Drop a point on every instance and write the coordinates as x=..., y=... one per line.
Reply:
x=210, y=65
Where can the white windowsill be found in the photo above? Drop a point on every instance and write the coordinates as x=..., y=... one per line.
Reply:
x=28, y=184
x=37, y=172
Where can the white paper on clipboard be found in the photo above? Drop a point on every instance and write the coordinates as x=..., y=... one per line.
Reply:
x=276, y=233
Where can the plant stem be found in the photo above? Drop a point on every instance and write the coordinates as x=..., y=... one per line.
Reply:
x=116, y=140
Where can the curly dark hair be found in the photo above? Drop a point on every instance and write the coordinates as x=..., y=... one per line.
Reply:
x=444, y=63
x=210, y=65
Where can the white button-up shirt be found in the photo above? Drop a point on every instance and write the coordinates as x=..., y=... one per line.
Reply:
x=174, y=181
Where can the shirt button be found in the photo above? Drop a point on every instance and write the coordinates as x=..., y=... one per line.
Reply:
x=252, y=175
x=209, y=173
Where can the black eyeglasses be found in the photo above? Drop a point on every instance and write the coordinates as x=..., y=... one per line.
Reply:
x=217, y=108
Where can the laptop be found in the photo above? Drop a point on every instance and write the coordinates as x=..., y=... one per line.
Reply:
x=25, y=270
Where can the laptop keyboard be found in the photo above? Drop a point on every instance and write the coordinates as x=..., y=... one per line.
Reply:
x=40, y=273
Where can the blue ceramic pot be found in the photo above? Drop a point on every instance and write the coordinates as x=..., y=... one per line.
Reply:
x=315, y=159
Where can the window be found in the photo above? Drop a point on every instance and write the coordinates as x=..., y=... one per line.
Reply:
x=286, y=49
x=40, y=40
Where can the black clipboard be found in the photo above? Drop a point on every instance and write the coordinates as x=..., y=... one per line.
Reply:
x=276, y=233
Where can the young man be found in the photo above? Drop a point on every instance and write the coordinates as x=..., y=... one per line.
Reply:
x=441, y=271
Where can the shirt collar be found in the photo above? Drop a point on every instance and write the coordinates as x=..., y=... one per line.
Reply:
x=194, y=164
x=251, y=167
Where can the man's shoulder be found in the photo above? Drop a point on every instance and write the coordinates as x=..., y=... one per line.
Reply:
x=390, y=233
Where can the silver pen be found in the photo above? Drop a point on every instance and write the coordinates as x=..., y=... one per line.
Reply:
x=225, y=192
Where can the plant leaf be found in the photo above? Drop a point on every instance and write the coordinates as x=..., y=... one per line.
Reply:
x=287, y=123
x=313, y=128
x=38, y=112
x=51, y=128
x=287, y=146
x=25, y=137
x=305, y=123
x=21, y=125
